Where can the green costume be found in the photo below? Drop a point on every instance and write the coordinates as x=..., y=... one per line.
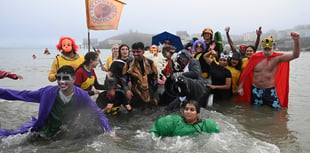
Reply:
x=60, y=113
x=174, y=125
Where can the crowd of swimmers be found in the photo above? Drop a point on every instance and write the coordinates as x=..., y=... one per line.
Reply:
x=142, y=79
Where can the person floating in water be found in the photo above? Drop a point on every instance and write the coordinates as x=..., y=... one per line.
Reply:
x=188, y=124
x=58, y=105
x=265, y=79
x=46, y=51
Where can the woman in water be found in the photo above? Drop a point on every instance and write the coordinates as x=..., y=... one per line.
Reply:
x=188, y=124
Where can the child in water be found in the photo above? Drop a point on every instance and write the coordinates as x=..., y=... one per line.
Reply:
x=111, y=100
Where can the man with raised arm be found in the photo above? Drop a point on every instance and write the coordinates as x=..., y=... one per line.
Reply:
x=265, y=80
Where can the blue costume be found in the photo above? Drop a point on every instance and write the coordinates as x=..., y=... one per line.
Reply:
x=46, y=96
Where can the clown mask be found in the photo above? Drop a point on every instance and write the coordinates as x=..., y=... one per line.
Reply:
x=66, y=45
x=154, y=49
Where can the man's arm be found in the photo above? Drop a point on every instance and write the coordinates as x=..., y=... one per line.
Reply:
x=24, y=95
x=240, y=87
x=296, y=50
x=258, y=34
x=207, y=58
x=231, y=44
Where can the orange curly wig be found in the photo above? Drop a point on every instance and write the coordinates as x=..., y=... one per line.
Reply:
x=74, y=46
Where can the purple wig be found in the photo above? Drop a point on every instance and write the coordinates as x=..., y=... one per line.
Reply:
x=201, y=42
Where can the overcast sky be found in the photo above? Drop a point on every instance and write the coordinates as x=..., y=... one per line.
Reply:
x=40, y=23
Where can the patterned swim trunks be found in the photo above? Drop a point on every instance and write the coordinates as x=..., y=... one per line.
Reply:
x=265, y=96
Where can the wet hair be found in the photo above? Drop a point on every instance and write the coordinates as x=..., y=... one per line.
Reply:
x=195, y=103
x=66, y=69
x=138, y=45
x=89, y=56
x=251, y=47
x=119, y=50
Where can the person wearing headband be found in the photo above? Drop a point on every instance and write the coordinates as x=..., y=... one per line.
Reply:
x=269, y=72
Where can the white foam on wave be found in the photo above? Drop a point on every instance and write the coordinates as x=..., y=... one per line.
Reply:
x=231, y=139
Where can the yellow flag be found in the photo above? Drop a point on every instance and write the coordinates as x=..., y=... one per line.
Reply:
x=103, y=14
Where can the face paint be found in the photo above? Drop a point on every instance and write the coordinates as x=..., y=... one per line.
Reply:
x=66, y=45
x=64, y=80
x=267, y=42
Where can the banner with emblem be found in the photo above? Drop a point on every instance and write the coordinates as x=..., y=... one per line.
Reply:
x=103, y=14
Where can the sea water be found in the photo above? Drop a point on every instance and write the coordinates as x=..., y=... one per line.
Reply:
x=243, y=128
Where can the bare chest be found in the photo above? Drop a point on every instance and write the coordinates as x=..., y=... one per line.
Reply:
x=266, y=65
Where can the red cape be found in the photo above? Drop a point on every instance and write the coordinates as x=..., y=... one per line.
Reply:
x=281, y=84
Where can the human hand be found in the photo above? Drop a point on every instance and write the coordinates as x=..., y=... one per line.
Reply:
x=129, y=94
x=103, y=68
x=227, y=29
x=259, y=31
x=96, y=91
x=162, y=80
x=240, y=91
x=129, y=84
x=211, y=86
x=19, y=77
x=114, y=136
x=295, y=35
x=213, y=53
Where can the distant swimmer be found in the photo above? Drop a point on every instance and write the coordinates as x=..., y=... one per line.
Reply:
x=46, y=51
x=34, y=56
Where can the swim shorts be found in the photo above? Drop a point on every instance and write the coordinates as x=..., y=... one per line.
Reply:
x=265, y=96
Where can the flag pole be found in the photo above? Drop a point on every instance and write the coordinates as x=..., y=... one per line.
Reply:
x=88, y=41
